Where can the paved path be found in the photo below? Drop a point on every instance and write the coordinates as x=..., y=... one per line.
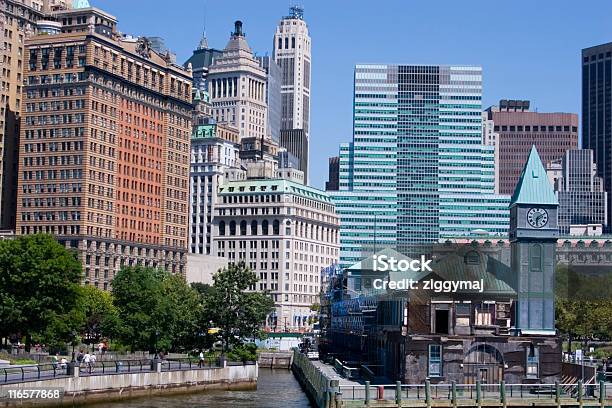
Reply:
x=332, y=374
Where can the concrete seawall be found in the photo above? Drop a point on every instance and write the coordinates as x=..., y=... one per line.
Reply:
x=277, y=359
x=97, y=388
x=319, y=387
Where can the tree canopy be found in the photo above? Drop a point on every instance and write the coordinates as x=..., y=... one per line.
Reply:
x=237, y=313
x=39, y=283
x=157, y=309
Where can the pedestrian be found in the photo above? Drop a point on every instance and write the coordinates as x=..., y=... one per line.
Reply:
x=63, y=363
x=54, y=360
x=80, y=357
x=92, y=362
x=201, y=362
x=87, y=361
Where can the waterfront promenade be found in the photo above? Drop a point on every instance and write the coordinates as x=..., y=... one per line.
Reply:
x=122, y=379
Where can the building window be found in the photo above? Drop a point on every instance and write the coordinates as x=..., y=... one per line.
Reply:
x=535, y=258
x=435, y=360
x=222, y=228
x=533, y=361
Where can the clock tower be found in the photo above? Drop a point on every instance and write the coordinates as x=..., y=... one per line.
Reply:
x=534, y=230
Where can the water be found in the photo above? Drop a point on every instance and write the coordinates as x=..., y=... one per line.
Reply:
x=275, y=389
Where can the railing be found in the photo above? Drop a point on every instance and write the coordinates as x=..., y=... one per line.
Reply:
x=31, y=372
x=476, y=392
x=56, y=370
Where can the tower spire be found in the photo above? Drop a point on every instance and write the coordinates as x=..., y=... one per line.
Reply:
x=204, y=40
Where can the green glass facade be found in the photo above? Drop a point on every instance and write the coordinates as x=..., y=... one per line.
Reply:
x=416, y=171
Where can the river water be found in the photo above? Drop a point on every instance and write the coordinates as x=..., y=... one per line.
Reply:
x=275, y=389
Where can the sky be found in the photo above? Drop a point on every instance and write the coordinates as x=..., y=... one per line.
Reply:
x=529, y=49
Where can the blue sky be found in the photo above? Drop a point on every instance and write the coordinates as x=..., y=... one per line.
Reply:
x=528, y=49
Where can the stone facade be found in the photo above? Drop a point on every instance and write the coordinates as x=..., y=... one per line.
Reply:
x=287, y=233
x=104, y=147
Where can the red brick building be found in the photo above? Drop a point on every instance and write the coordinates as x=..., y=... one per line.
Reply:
x=104, y=147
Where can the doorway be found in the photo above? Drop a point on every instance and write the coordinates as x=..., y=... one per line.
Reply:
x=441, y=321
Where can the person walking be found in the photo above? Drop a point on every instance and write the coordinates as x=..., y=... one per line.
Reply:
x=201, y=362
x=87, y=361
x=92, y=362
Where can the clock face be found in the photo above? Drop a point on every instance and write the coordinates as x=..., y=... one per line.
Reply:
x=537, y=217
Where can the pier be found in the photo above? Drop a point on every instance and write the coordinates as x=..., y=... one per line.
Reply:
x=326, y=388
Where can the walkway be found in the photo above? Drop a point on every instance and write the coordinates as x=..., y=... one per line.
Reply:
x=332, y=374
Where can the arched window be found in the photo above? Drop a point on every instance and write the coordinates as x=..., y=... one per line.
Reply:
x=222, y=228
x=264, y=227
x=232, y=228
x=275, y=227
x=243, y=227
x=253, y=227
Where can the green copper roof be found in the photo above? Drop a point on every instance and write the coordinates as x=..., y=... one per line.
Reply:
x=80, y=4
x=258, y=186
x=204, y=131
x=533, y=186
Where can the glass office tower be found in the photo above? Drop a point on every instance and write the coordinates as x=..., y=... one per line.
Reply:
x=416, y=171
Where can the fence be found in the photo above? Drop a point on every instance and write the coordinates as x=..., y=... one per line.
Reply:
x=476, y=392
x=57, y=370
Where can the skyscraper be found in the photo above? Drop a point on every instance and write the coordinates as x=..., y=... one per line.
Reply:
x=517, y=129
x=583, y=202
x=597, y=111
x=18, y=20
x=237, y=87
x=273, y=95
x=214, y=160
x=333, y=177
x=416, y=171
x=104, y=147
x=292, y=52
x=296, y=143
x=201, y=59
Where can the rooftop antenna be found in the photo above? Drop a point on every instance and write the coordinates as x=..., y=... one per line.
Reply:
x=296, y=11
x=204, y=41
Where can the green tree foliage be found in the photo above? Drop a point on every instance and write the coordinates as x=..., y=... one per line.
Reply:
x=237, y=313
x=243, y=352
x=39, y=287
x=100, y=316
x=583, y=305
x=157, y=310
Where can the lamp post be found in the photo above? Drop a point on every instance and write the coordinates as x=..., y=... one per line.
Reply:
x=155, y=345
x=73, y=335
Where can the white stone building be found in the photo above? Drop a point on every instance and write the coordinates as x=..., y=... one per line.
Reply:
x=237, y=87
x=292, y=53
x=284, y=231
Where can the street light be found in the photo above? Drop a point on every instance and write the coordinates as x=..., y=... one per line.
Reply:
x=73, y=335
x=155, y=345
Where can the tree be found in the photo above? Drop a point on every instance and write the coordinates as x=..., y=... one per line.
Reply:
x=136, y=292
x=100, y=316
x=157, y=310
x=237, y=313
x=583, y=305
x=39, y=281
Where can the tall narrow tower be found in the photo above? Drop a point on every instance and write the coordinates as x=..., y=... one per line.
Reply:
x=292, y=54
x=534, y=229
